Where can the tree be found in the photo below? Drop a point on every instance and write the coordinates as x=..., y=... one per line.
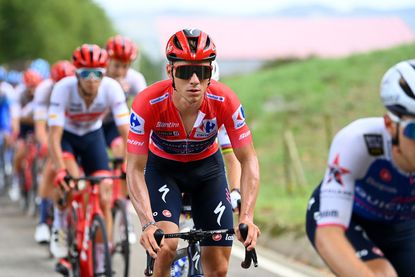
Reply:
x=49, y=29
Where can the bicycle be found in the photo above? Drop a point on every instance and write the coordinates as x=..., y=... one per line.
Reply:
x=86, y=228
x=120, y=238
x=29, y=176
x=193, y=249
x=6, y=174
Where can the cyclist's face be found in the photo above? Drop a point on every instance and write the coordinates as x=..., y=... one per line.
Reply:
x=89, y=86
x=190, y=84
x=117, y=69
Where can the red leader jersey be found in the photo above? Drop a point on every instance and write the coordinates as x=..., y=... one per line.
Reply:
x=155, y=123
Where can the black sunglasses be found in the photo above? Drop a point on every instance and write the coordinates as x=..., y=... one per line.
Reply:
x=185, y=72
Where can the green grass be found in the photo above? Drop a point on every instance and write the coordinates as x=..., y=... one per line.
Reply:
x=299, y=96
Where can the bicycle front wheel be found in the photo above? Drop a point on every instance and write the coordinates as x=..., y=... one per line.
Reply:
x=121, y=252
x=180, y=264
x=100, y=251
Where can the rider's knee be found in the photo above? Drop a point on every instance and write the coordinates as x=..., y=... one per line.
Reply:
x=105, y=187
x=382, y=268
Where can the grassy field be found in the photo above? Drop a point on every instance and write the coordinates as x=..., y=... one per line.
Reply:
x=300, y=96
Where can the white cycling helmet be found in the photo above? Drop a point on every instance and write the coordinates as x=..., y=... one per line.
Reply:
x=397, y=89
x=215, y=71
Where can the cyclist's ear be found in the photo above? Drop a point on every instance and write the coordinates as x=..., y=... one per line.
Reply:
x=389, y=124
x=169, y=70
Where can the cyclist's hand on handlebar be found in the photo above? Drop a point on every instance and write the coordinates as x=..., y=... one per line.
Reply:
x=148, y=241
x=61, y=179
x=253, y=234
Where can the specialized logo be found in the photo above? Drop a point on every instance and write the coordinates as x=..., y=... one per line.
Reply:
x=136, y=123
x=195, y=259
x=336, y=171
x=207, y=128
x=164, y=189
x=219, y=211
x=239, y=117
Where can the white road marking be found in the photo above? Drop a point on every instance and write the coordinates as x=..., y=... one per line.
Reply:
x=267, y=264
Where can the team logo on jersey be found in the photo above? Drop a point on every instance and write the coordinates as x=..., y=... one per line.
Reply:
x=216, y=237
x=374, y=144
x=207, y=128
x=136, y=123
x=239, y=117
x=385, y=175
x=336, y=171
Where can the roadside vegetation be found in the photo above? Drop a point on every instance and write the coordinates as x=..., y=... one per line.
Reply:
x=313, y=99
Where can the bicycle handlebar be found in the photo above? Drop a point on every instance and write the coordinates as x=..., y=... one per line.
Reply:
x=250, y=256
x=198, y=235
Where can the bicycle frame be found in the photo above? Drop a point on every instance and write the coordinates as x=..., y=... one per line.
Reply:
x=85, y=212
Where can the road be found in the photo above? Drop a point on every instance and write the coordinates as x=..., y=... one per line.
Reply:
x=20, y=255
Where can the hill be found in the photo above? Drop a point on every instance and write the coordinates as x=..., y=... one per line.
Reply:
x=314, y=99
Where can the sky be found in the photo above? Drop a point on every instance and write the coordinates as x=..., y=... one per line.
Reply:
x=116, y=8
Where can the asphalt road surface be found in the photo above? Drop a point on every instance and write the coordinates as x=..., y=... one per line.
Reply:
x=20, y=255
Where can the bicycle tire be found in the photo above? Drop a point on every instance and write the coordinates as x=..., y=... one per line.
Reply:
x=72, y=244
x=120, y=239
x=180, y=264
x=98, y=225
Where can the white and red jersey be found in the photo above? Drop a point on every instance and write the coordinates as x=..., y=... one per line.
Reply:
x=136, y=82
x=42, y=99
x=68, y=109
x=155, y=116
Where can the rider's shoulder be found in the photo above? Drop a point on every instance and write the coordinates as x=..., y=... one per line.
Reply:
x=369, y=133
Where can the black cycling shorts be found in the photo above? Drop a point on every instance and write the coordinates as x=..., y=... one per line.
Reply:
x=89, y=150
x=204, y=180
x=110, y=132
x=371, y=240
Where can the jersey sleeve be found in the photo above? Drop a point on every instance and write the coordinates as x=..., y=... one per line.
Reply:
x=233, y=116
x=56, y=112
x=224, y=141
x=141, y=120
x=347, y=160
x=41, y=102
x=118, y=103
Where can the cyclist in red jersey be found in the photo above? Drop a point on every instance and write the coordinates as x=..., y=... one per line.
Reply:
x=182, y=115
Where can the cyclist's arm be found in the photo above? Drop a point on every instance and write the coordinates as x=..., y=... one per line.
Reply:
x=338, y=253
x=233, y=170
x=137, y=187
x=55, y=137
x=348, y=161
x=249, y=180
x=40, y=132
x=123, y=130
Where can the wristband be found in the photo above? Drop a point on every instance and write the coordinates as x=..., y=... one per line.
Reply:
x=148, y=224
